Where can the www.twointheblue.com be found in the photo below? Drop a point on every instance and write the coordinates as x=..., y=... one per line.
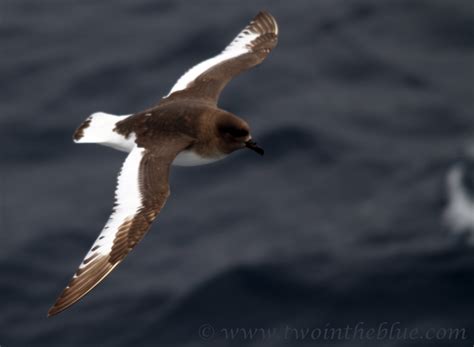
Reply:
x=359, y=331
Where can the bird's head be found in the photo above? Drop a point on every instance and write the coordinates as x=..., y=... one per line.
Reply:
x=234, y=134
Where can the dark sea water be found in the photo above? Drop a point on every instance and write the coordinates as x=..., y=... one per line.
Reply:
x=362, y=109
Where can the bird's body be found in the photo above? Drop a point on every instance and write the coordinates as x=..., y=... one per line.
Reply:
x=192, y=120
x=185, y=128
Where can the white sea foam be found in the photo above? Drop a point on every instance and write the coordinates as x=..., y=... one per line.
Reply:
x=459, y=212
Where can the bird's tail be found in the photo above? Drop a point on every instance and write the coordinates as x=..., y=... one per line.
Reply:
x=100, y=128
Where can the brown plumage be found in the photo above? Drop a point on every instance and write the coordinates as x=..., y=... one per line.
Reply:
x=185, y=123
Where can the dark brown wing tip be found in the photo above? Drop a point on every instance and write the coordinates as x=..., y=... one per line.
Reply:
x=52, y=312
x=55, y=309
x=87, y=279
x=265, y=23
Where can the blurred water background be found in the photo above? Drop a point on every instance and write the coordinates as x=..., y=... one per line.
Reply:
x=364, y=109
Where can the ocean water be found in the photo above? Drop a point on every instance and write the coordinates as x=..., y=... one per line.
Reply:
x=363, y=109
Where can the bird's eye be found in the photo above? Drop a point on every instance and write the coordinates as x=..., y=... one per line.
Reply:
x=234, y=132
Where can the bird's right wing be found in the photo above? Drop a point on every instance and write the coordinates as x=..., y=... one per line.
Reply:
x=251, y=46
x=141, y=192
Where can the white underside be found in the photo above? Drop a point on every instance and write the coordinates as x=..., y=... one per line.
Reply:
x=189, y=158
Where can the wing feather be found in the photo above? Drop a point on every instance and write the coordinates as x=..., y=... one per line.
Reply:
x=141, y=193
x=249, y=48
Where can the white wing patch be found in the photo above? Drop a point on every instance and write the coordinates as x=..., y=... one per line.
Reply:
x=128, y=201
x=239, y=46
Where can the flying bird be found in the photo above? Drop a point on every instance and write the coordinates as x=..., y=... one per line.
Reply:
x=185, y=128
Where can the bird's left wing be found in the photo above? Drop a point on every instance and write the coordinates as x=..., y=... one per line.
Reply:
x=251, y=46
x=141, y=192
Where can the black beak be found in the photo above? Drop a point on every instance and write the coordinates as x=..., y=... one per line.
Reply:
x=253, y=146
